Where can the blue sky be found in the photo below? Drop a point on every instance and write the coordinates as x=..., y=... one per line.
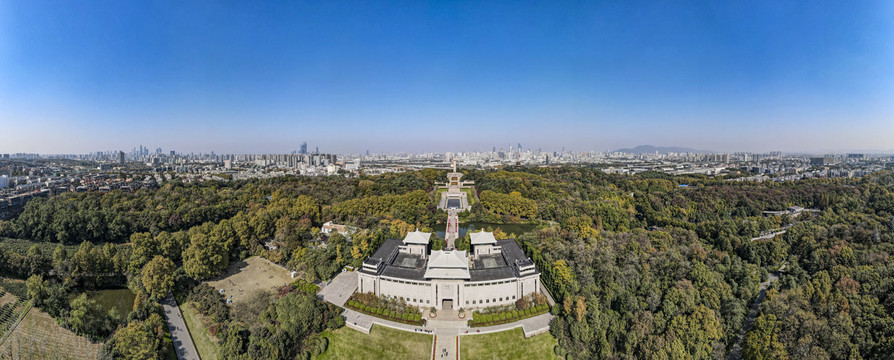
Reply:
x=196, y=76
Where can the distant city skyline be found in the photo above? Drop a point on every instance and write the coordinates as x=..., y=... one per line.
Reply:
x=347, y=77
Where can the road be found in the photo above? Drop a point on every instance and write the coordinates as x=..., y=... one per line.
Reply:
x=736, y=352
x=183, y=344
x=773, y=234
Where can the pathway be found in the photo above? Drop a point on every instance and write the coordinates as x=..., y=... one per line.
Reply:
x=183, y=344
x=736, y=352
x=773, y=234
x=452, y=231
x=445, y=345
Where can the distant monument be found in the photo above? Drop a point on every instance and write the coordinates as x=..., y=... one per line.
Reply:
x=455, y=198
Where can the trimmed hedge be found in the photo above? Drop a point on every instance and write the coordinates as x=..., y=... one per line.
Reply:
x=479, y=319
x=387, y=314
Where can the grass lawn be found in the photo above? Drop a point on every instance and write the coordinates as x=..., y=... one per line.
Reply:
x=509, y=344
x=381, y=343
x=205, y=343
x=470, y=196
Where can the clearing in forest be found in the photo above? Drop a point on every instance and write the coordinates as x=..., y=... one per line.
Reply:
x=245, y=277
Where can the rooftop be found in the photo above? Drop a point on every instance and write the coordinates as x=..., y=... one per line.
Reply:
x=482, y=237
x=417, y=237
x=447, y=264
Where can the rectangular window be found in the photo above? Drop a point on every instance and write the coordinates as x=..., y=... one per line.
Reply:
x=426, y=301
x=473, y=302
x=501, y=299
x=467, y=302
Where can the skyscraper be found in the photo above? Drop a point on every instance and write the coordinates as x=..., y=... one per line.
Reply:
x=121, y=157
x=303, y=150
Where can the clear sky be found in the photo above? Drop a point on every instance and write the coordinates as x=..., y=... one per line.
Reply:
x=253, y=76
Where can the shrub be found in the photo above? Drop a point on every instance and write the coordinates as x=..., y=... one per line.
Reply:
x=324, y=344
x=559, y=351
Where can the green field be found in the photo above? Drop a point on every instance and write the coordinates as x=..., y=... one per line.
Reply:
x=509, y=344
x=381, y=343
x=120, y=299
x=205, y=343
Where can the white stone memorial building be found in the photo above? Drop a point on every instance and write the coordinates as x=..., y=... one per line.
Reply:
x=497, y=272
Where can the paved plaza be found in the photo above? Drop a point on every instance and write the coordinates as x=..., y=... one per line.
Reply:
x=340, y=288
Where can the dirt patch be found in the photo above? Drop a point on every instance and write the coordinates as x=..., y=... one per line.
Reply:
x=7, y=299
x=248, y=276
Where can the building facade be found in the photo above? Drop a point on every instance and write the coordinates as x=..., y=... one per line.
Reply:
x=496, y=273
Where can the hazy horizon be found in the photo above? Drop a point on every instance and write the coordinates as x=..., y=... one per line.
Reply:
x=348, y=77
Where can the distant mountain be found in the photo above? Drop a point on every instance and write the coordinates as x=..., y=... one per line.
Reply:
x=649, y=149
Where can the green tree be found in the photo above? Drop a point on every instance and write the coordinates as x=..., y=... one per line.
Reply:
x=87, y=318
x=205, y=256
x=158, y=276
x=139, y=340
x=761, y=342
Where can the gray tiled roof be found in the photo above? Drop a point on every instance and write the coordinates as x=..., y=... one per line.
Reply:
x=504, y=269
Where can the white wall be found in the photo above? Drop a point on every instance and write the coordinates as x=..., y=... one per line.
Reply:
x=409, y=290
x=485, y=295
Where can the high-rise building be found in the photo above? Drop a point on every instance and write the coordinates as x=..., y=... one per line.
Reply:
x=172, y=153
x=4, y=181
x=303, y=150
x=121, y=157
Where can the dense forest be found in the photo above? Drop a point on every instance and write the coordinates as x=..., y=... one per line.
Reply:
x=645, y=266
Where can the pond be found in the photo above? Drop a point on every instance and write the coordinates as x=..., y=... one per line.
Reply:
x=464, y=228
x=122, y=299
